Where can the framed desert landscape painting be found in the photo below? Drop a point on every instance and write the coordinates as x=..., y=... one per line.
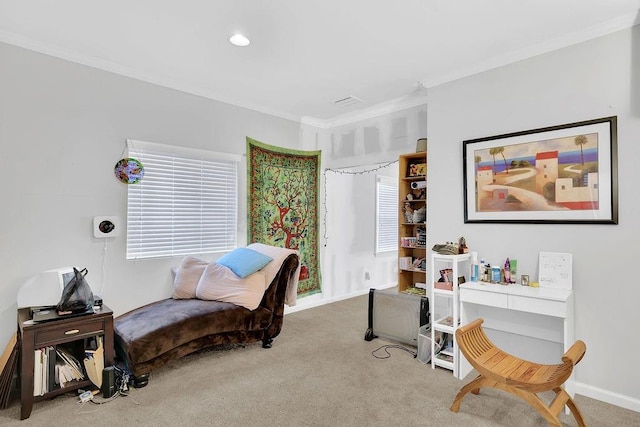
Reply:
x=558, y=174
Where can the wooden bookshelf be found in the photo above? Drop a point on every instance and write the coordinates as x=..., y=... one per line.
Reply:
x=412, y=226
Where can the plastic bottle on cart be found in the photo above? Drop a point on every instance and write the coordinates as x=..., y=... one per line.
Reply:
x=474, y=267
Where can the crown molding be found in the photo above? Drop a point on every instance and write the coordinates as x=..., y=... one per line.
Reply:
x=115, y=68
x=387, y=107
x=112, y=67
x=599, y=30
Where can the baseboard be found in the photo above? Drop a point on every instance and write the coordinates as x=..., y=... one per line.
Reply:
x=607, y=396
x=317, y=300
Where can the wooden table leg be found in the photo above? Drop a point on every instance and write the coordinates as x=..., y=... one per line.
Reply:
x=26, y=374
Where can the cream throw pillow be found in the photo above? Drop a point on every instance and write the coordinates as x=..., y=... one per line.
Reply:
x=278, y=255
x=219, y=283
x=187, y=277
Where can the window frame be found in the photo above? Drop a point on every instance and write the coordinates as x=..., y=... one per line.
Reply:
x=189, y=171
x=381, y=227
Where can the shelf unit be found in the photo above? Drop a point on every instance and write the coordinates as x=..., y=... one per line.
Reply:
x=446, y=321
x=412, y=169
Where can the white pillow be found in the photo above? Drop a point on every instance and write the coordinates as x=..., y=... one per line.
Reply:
x=219, y=283
x=278, y=255
x=187, y=277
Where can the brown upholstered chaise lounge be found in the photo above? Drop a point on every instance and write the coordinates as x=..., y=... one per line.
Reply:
x=157, y=333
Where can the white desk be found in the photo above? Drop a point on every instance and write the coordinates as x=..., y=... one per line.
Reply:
x=536, y=324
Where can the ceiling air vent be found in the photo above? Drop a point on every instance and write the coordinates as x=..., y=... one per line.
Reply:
x=348, y=101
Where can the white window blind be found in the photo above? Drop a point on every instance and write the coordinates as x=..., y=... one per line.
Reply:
x=386, y=214
x=186, y=203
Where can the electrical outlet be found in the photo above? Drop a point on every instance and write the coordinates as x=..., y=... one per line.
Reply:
x=367, y=276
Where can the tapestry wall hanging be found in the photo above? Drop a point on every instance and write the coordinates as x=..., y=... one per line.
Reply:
x=282, y=206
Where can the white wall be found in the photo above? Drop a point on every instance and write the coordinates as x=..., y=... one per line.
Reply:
x=63, y=127
x=347, y=252
x=594, y=79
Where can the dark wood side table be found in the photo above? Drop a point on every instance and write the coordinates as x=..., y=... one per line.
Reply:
x=37, y=335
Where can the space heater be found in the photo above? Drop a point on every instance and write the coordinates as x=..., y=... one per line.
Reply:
x=396, y=316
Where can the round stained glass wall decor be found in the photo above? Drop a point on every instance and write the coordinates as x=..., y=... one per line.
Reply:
x=129, y=171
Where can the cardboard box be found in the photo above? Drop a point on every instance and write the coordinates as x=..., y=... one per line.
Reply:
x=447, y=286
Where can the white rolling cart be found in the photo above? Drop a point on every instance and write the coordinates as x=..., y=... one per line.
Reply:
x=445, y=308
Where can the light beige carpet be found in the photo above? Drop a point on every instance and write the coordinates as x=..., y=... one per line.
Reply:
x=320, y=372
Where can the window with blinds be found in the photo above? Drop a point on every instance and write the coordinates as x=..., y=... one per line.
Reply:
x=186, y=203
x=386, y=214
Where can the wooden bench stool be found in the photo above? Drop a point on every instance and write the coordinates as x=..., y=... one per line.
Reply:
x=503, y=371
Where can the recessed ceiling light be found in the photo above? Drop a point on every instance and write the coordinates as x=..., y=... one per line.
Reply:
x=239, y=40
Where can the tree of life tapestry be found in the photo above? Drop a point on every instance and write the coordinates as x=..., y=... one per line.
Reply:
x=283, y=187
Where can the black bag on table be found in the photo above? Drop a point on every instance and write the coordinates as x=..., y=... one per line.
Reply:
x=77, y=296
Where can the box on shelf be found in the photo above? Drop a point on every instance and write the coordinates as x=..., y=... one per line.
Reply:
x=446, y=286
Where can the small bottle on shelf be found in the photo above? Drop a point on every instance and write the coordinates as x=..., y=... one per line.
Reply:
x=507, y=271
x=484, y=271
x=474, y=267
x=496, y=274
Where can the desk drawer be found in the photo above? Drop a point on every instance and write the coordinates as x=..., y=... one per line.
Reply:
x=68, y=331
x=538, y=306
x=475, y=296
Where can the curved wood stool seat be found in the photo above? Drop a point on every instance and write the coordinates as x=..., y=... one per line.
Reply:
x=506, y=372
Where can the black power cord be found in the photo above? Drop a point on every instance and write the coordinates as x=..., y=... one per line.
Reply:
x=386, y=350
x=123, y=380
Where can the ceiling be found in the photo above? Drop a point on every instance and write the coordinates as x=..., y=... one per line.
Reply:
x=306, y=54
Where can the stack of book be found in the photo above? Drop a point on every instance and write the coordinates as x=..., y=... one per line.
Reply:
x=411, y=264
x=421, y=236
x=404, y=262
x=408, y=242
x=67, y=368
x=42, y=369
x=54, y=368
